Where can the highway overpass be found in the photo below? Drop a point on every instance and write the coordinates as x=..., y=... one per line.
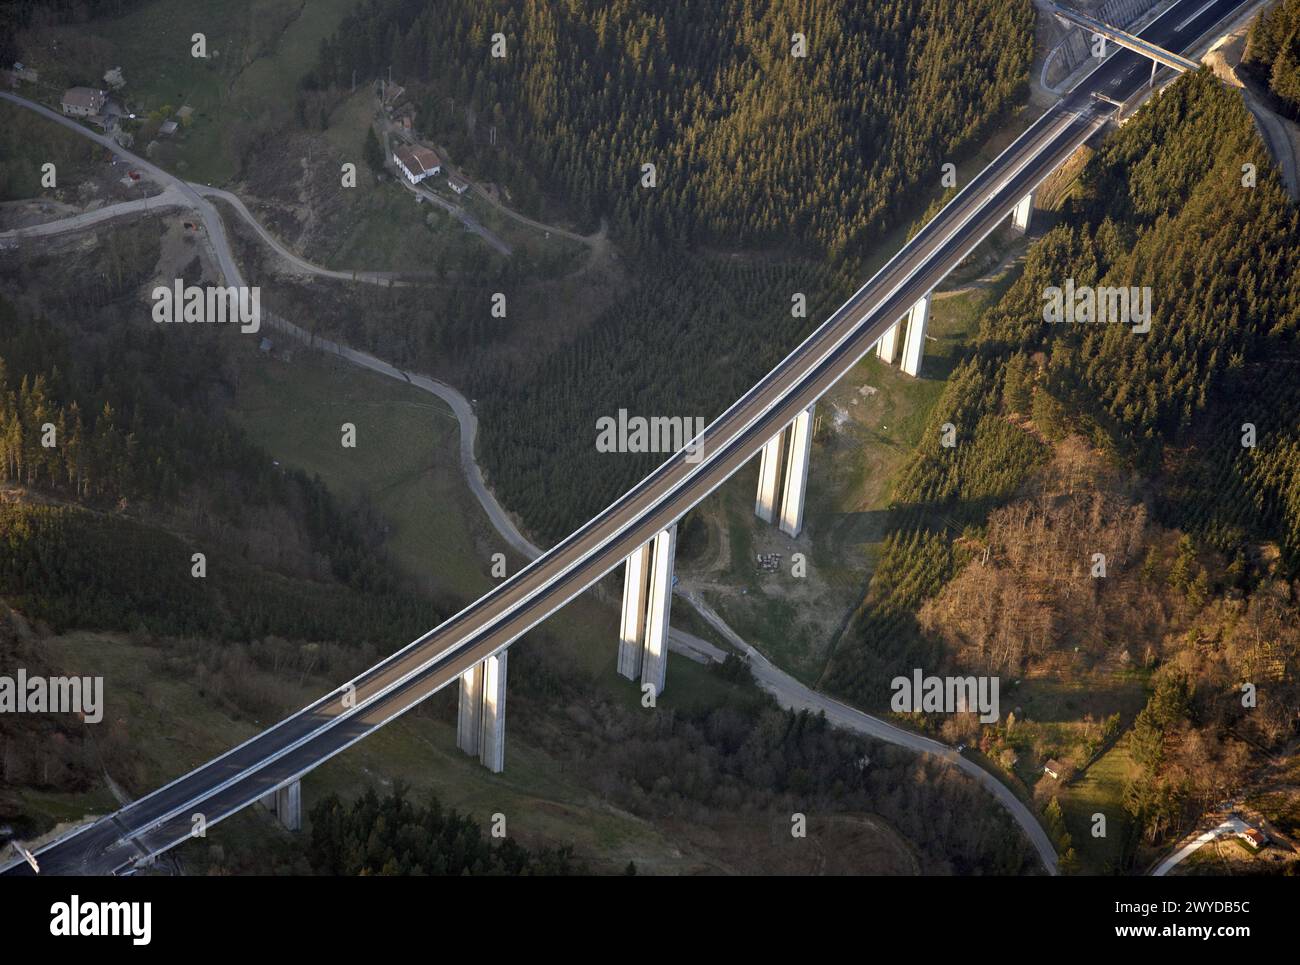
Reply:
x=1147, y=48
x=268, y=765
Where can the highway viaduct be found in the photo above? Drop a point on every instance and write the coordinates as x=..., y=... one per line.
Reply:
x=637, y=531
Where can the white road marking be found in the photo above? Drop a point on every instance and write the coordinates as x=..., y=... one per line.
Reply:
x=1179, y=28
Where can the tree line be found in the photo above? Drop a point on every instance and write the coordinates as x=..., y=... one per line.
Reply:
x=394, y=835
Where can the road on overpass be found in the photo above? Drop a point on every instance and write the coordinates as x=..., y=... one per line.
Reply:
x=346, y=715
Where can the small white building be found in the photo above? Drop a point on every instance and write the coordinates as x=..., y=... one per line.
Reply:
x=1254, y=837
x=459, y=185
x=416, y=163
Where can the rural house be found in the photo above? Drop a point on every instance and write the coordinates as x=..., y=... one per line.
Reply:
x=1253, y=837
x=417, y=163
x=83, y=101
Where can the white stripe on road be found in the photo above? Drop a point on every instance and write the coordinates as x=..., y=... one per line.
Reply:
x=1179, y=28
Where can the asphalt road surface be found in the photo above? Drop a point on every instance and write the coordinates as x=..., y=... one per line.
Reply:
x=169, y=198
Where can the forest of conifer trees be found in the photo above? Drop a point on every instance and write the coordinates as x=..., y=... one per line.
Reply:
x=1273, y=54
x=752, y=146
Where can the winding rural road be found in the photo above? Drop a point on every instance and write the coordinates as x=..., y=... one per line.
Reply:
x=792, y=695
x=788, y=692
x=181, y=188
x=385, y=278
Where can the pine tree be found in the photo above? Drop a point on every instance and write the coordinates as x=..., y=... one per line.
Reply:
x=373, y=152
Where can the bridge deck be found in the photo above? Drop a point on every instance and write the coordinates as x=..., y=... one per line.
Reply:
x=1146, y=48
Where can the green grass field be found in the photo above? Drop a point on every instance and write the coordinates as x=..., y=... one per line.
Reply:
x=405, y=461
x=550, y=254
x=380, y=226
x=1099, y=791
x=28, y=141
x=257, y=52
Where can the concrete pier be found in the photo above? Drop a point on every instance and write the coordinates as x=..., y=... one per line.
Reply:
x=914, y=347
x=1021, y=212
x=481, y=715
x=469, y=716
x=654, y=665
x=769, y=475
x=492, y=750
x=631, y=632
x=887, y=347
x=647, y=608
x=796, y=472
x=286, y=804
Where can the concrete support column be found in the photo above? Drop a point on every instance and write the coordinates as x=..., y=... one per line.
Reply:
x=492, y=751
x=631, y=633
x=647, y=605
x=796, y=472
x=481, y=716
x=914, y=349
x=888, y=345
x=654, y=664
x=286, y=804
x=1021, y=212
x=469, y=716
x=769, y=474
